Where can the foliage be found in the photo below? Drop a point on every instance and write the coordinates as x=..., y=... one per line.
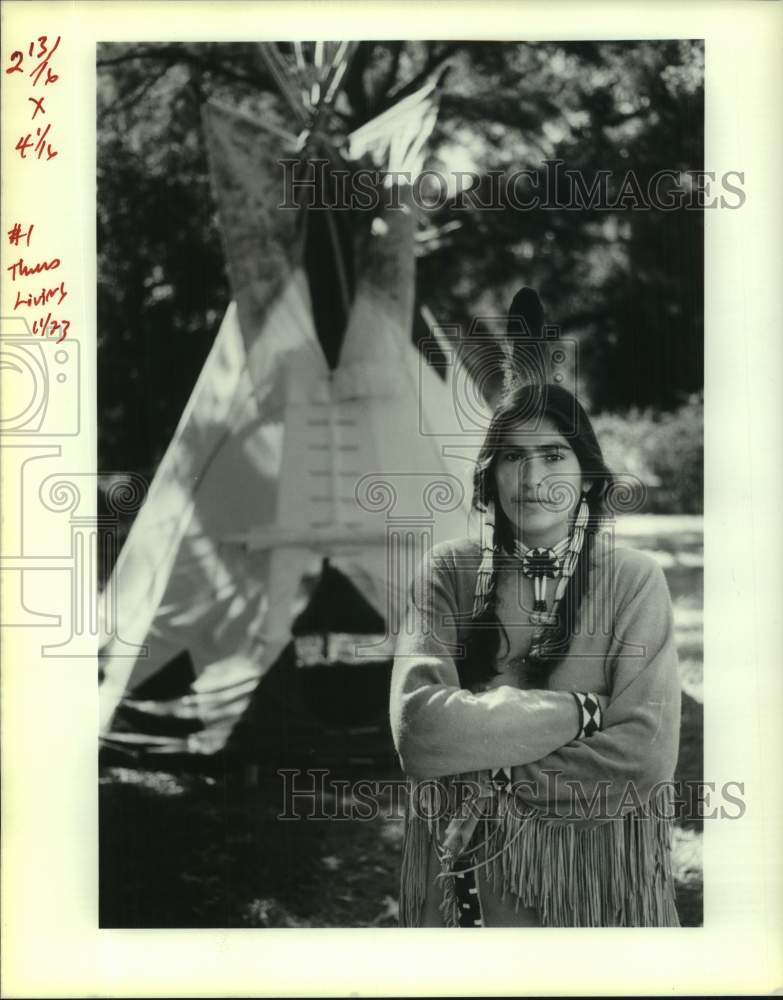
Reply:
x=665, y=450
x=626, y=284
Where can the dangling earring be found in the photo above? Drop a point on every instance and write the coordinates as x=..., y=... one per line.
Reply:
x=487, y=567
x=578, y=534
x=583, y=513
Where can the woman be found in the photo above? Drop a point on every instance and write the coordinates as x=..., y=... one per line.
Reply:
x=535, y=700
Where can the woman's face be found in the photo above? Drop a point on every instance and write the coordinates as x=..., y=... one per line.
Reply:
x=539, y=482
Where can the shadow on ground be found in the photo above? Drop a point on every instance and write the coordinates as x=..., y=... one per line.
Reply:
x=185, y=848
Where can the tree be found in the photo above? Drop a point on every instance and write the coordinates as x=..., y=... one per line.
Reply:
x=626, y=284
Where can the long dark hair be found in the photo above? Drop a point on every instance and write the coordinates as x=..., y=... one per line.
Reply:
x=525, y=403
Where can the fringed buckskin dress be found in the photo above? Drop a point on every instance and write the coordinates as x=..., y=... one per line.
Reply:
x=580, y=834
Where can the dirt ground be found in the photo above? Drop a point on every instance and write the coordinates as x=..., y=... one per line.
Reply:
x=181, y=847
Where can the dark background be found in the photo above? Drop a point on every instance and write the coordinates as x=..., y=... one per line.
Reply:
x=626, y=284
x=197, y=843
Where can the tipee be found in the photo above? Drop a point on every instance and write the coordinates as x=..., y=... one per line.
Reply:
x=281, y=459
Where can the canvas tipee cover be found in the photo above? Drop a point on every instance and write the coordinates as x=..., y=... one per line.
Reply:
x=279, y=461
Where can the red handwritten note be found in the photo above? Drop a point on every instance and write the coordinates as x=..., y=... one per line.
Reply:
x=38, y=57
x=36, y=291
x=33, y=298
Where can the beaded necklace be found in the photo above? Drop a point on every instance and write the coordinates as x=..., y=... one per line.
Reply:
x=539, y=564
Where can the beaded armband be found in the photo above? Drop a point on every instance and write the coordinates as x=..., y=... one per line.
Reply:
x=590, y=714
x=500, y=778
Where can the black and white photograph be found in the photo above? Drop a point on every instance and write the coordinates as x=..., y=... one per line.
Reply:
x=390, y=396
x=401, y=352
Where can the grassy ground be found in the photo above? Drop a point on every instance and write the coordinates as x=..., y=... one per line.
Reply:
x=185, y=848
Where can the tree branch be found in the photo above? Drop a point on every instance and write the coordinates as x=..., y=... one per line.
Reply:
x=135, y=94
x=433, y=61
x=177, y=53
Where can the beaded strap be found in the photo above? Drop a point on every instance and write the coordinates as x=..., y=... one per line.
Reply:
x=467, y=895
x=487, y=558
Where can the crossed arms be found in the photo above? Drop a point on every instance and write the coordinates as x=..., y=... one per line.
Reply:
x=440, y=728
